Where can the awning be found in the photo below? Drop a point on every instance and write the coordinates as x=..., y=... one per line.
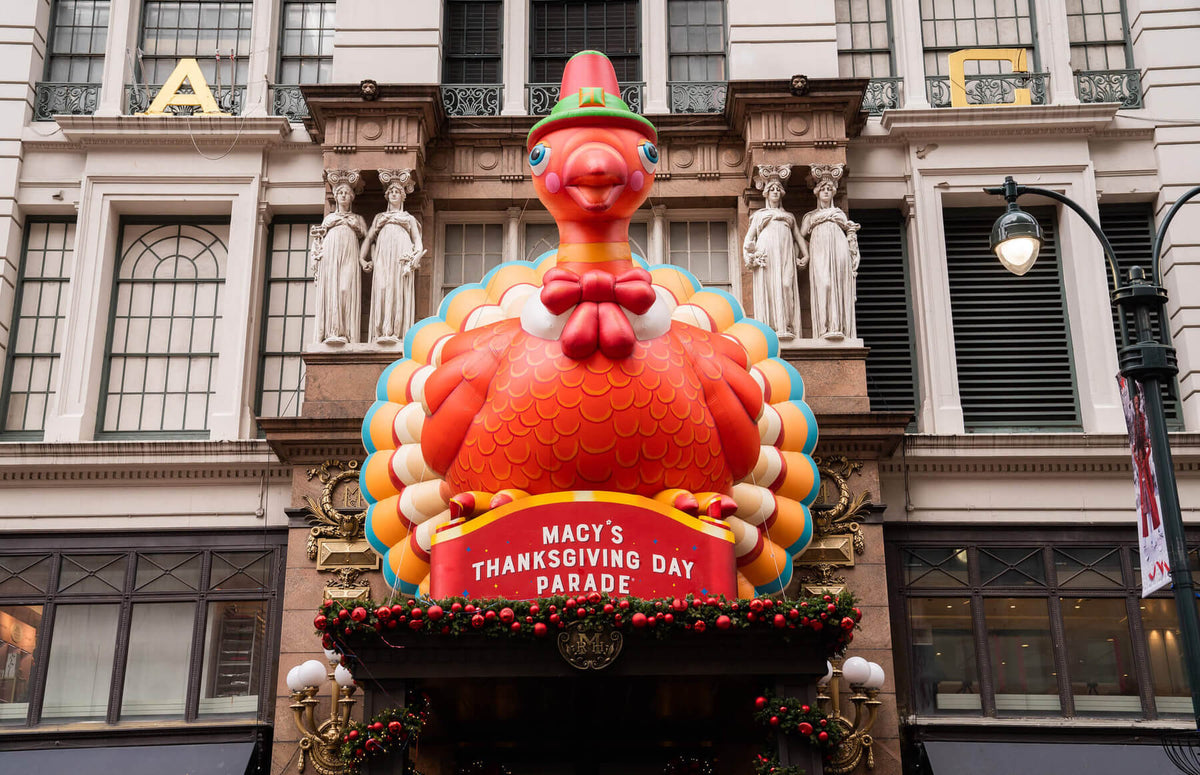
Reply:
x=976, y=758
x=193, y=759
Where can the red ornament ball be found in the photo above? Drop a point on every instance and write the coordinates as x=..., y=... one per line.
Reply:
x=395, y=727
x=456, y=607
x=534, y=609
x=773, y=721
x=847, y=623
x=608, y=608
x=700, y=626
x=539, y=630
x=638, y=620
x=489, y=615
x=477, y=621
x=724, y=622
x=383, y=612
x=352, y=734
x=343, y=614
x=359, y=614
x=319, y=622
x=780, y=621
x=435, y=612
x=805, y=708
x=507, y=615
x=823, y=736
x=516, y=626
x=805, y=728
x=760, y=703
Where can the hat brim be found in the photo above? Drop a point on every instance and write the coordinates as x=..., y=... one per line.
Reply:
x=590, y=116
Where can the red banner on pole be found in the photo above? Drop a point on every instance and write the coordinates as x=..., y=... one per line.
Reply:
x=1152, y=537
x=578, y=542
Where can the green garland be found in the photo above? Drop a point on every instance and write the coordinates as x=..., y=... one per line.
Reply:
x=825, y=621
x=789, y=716
x=387, y=732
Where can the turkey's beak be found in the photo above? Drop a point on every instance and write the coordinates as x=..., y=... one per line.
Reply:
x=595, y=175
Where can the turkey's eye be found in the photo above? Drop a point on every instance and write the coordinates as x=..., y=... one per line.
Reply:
x=648, y=154
x=539, y=158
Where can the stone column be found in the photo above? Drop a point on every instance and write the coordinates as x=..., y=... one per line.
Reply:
x=512, y=234
x=119, y=54
x=516, y=56
x=265, y=21
x=910, y=55
x=654, y=56
x=1054, y=50
x=658, y=235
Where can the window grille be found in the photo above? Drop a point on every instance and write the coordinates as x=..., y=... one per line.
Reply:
x=1130, y=229
x=78, y=31
x=1026, y=625
x=470, y=250
x=306, y=41
x=884, y=312
x=864, y=35
x=202, y=29
x=287, y=320
x=1011, y=338
x=562, y=28
x=696, y=38
x=1099, y=34
x=473, y=42
x=39, y=317
x=951, y=25
x=163, y=333
x=153, y=630
x=702, y=247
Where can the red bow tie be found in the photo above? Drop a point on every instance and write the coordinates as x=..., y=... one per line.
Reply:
x=598, y=321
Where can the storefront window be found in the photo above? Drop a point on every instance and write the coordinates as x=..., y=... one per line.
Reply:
x=20, y=626
x=1022, y=656
x=1100, y=656
x=81, y=662
x=945, y=678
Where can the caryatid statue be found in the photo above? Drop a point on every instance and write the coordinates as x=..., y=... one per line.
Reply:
x=773, y=250
x=833, y=258
x=334, y=255
x=392, y=250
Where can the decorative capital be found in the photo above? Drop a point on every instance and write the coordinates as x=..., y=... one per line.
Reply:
x=350, y=178
x=404, y=179
x=766, y=174
x=826, y=173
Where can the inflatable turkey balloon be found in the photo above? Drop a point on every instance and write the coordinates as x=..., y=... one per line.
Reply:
x=587, y=422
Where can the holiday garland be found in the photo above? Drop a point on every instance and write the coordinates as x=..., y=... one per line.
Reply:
x=826, y=621
x=790, y=716
x=387, y=732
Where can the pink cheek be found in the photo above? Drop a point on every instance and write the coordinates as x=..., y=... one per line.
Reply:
x=637, y=180
x=553, y=182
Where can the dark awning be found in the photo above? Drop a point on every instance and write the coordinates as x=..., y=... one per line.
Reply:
x=194, y=759
x=976, y=758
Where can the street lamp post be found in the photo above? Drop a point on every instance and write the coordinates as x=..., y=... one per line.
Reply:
x=1016, y=239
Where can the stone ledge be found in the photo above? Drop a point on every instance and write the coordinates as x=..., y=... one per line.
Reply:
x=175, y=130
x=971, y=123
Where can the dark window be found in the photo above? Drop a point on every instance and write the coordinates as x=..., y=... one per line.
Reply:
x=38, y=325
x=563, y=28
x=1011, y=340
x=287, y=320
x=306, y=41
x=1130, y=229
x=470, y=250
x=162, y=354
x=864, y=35
x=883, y=310
x=214, y=32
x=696, y=38
x=473, y=41
x=1099, y=35
x=159, y=630
x=702, y=248
x=1036, y=627
x=78, y=30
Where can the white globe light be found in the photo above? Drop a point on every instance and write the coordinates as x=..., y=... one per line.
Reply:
x=332, y=655
x=343, y=676
x=312, y=673
x=875, y=681
x=828, y=674
x=856, y=670
x=293, y=679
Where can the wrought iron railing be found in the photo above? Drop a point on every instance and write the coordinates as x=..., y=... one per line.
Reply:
x=472, y=99
x=230, y=99
x=543, y=96
x=997, y=88
x=1123, y=86
x=52, y=99
x=882, y=94
x=288, y=101
x=697, y=96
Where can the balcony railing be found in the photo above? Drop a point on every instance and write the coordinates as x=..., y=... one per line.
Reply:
x=230, y=99
x=55, y=99
x=543, y=96
x=697, y=96
x=989, y=89
x=472, y=99
x=882, y=94
x=1123, y=86
x=288, y=101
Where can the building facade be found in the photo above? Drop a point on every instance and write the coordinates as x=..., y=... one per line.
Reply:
x=165, y=414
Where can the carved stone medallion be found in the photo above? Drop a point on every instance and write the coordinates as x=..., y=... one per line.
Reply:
x=589, y=645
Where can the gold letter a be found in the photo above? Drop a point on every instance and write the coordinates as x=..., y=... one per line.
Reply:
x=187, y=70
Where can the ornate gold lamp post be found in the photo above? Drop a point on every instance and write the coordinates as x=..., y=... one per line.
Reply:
x=320, y=739
x=864, y=680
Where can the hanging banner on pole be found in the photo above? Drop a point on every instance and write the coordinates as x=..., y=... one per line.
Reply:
x=1152, y=538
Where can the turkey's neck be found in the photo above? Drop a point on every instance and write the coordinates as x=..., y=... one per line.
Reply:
x=595, y=245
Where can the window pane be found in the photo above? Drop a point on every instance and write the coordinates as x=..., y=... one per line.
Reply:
x=1088, y=566
x=167, y=572
x=81, y=661
x=289, y=320
x=1012, y=567
x=234, y=651
x=1022, y=656
x=241, y=570
x=24, y=574
x=306, y=40
x=156, y=673
x=92, y=573
x=935, y=568
x=945, y=678
x=19, y=628
x=1164, y=646
x=1100, y=656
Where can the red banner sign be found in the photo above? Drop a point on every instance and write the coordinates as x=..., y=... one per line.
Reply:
x=577, y=542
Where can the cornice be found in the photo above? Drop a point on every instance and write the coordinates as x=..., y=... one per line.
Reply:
x=974, y=122
x=116, y=461
x=311, y=440
x=219, y=131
